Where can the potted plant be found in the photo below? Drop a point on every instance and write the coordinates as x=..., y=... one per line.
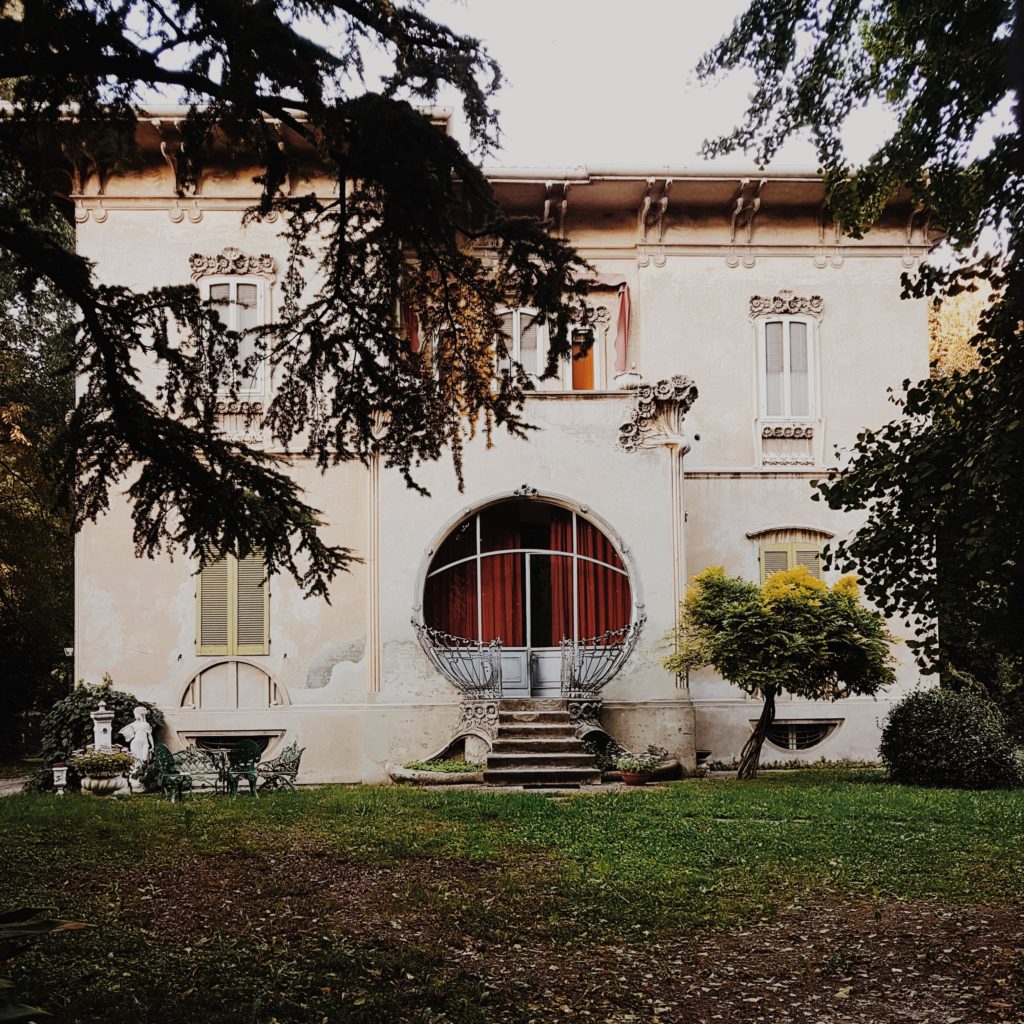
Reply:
x=639, y=769
x=103, y=772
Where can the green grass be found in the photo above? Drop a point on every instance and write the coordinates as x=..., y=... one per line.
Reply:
x=322, y=905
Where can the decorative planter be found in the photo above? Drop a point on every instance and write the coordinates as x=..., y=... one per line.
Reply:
x=104, y=785
x=636, y=778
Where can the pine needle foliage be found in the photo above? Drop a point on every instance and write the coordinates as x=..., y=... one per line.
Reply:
x=410, y=221
x=793, y=633
x=943, y=537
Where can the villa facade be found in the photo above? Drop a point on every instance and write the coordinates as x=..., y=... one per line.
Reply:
x=740, y=340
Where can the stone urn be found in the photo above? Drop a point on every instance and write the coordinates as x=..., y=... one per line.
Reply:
x=104, y=785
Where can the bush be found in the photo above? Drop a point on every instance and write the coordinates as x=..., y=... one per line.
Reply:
x=942, y=737
x=452, y=767
x=67, y=727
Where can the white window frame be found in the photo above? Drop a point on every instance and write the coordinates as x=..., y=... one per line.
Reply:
x=206, y=283
x=600, y=351
x=762, y=367
x=518, y=312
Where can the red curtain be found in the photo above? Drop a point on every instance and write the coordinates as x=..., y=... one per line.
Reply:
x=502, y=577
x=501, y=590
x=605, y=601
x=449, y=601
x=561, y=617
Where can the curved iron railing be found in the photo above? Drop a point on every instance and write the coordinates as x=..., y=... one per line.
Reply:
x=471, y=666
x=589, y=665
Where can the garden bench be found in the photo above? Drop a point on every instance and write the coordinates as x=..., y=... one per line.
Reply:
x=178, y=774
x=204, y=767
x=280, y=773
x=242, y=764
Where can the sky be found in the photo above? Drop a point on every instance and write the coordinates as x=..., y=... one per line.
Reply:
x=611, y=83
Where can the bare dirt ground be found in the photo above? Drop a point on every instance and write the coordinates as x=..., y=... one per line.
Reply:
x=818, y=962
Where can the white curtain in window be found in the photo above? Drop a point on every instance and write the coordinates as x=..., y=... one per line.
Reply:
x=799, y=381
x=774, y=369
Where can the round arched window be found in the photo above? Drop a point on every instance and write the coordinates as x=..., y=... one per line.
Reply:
x=528, y=573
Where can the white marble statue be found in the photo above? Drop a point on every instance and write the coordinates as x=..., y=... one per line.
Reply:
x=139, y=735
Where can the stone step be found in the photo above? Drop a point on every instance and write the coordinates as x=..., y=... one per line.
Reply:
x=540, y=759
x=541, y=777
x=513, y=744
x=552, y=730
x=532, y=716
x=532, y=704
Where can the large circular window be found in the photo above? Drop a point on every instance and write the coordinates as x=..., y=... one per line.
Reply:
x=527, y=573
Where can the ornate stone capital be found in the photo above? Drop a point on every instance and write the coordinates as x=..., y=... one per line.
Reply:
x=658, y=412
x=786, y=302
x=232, y=261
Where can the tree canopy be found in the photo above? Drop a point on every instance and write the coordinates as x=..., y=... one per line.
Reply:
x=941, y=483
x=792, y=633
x=410, y=222
x=36, y=546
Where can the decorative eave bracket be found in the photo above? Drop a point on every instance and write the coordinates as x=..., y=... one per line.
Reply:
x=556, y=205
x=746, y=206
x=652, y=209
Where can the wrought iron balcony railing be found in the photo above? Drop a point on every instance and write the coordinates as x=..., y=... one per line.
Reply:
x=471, y=666
x=589, y=665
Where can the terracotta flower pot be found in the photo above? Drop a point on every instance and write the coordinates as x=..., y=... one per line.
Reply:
x=636, y=778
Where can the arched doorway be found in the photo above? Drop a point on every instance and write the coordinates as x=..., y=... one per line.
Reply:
x=529, y=573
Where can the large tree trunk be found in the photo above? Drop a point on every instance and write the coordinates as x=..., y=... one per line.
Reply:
x=751, y=756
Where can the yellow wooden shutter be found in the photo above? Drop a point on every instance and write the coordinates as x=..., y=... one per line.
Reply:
x=811, y=557
x=213, y=614
x=233, y=607
x=774, y=558
x=252, y=607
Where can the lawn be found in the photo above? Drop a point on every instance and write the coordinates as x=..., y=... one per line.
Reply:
x=805, y=896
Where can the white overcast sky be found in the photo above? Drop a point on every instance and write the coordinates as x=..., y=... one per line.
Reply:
x=610, y=82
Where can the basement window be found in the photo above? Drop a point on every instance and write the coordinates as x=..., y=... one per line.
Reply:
x=800, y=735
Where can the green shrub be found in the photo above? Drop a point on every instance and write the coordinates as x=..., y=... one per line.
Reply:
x=941, y=737
x=454, y=767
x=642, y=764
x=67, y=727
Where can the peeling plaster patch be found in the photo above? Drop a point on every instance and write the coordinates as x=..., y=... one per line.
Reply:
x=322, y=667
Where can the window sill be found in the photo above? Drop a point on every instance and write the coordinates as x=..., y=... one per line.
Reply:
x=587, y=395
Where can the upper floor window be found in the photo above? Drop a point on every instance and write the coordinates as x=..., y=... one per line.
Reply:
x=786, y=356
x=241, y=306
x=523, y=340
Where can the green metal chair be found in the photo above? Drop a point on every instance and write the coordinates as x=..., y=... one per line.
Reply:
x=172, y=780
x=243, y=758
x=280, y=773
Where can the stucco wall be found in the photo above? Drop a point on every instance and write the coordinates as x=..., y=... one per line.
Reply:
x=359, y=690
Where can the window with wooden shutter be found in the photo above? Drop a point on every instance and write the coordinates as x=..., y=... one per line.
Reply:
x=809, y=557
x=779, y=557
x=233, y=607
x=774, y=558
x=787, y=382
x=241, y=307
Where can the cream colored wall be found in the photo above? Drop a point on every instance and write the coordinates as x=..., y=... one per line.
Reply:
x=136, y=617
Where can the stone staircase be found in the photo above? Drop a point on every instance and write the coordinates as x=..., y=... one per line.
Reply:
x=536, y=747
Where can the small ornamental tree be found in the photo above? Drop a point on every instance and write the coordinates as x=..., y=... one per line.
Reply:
x=792, y=633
